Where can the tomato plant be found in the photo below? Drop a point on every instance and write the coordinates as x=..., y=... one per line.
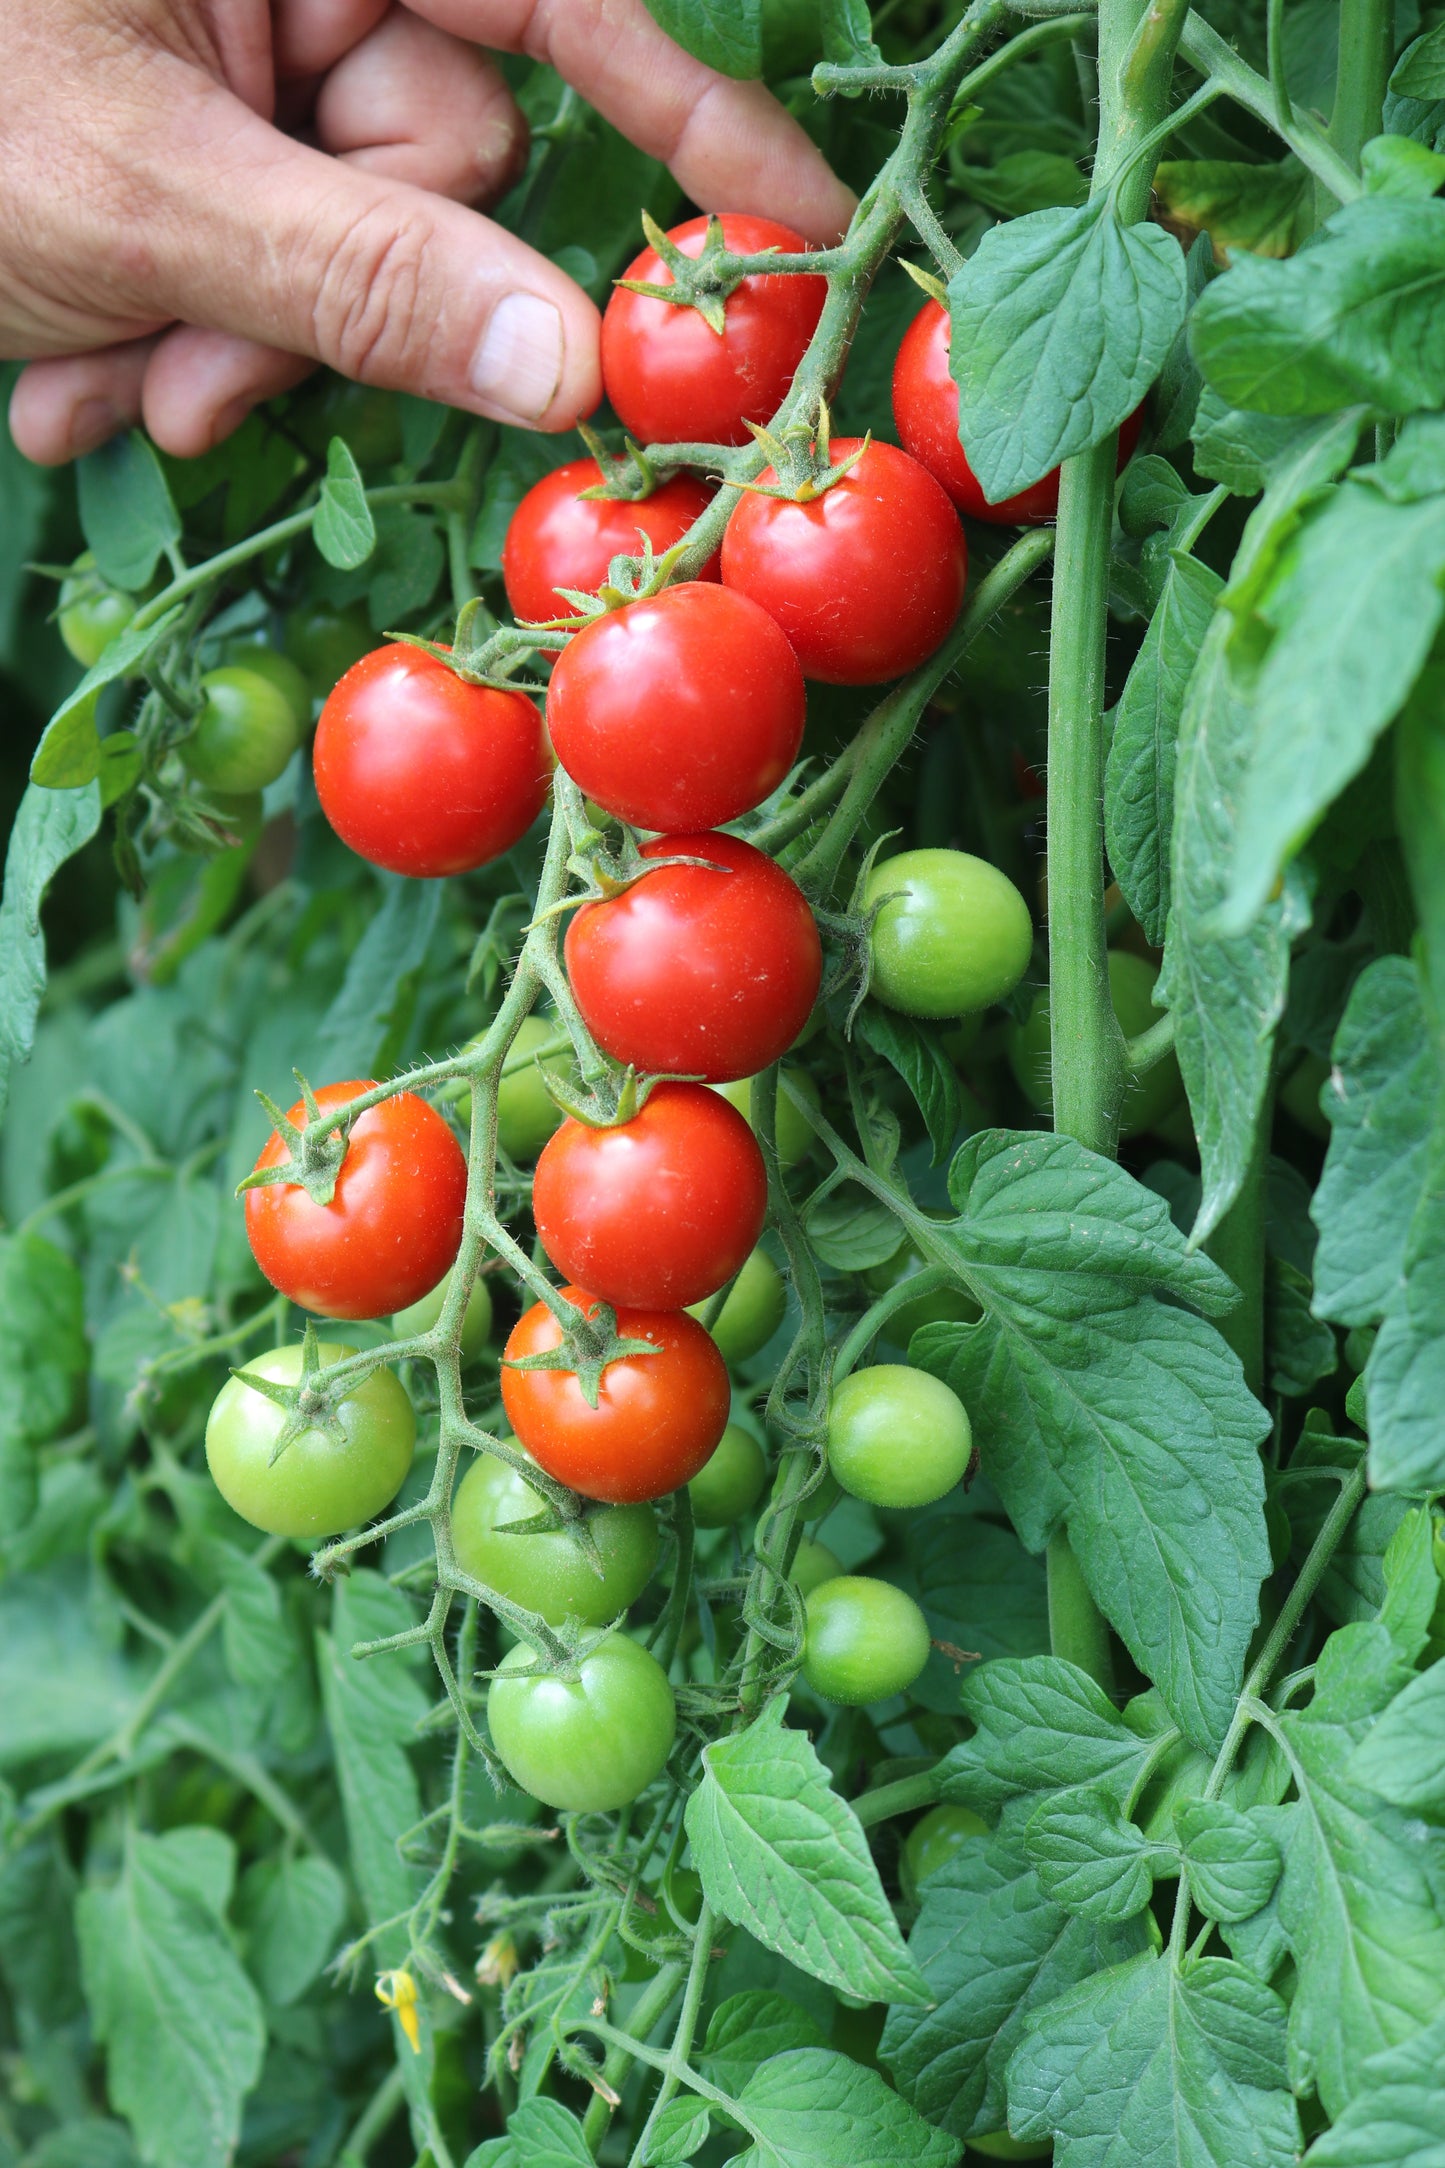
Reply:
x=587, y=1742
x=864, y=1641
x=548, y=1571
x=245, y=732
x=560, y=537
x=91, y=611
x=324, y=1479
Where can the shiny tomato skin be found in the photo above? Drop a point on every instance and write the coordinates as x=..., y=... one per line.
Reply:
x=925, y=410
x=422, y=773
x=391, y=1230
x=679, y=712
x=866, y=578
x=657, y=1418
x=659, y=1211
x=559, y=538
x=671, y=379
x=704, y=971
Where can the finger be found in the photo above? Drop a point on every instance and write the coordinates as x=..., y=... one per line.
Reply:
x=310, y=36
x=416, y=105
x=731, y=145
x=68, y=405
x=200, y=385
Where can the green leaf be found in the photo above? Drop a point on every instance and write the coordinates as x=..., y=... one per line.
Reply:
x=1379, y=1101
x=1405, y=1376
x=1357, y=316
x=1266, y=209
x=916, y=1051
x=1022, y=181
x=380, y=977
x=816, y=2109
x=1099, y=1409
x=747, y=2030
x=1149, y=2067
x=180, y=2021
x=126, y=511
x=344, y=531
x=847, y=32
x=1039, y=1724
x=70, y=753
x=993, y=1949
x=1238, y=448
x=1089, y=1858
x=679, y=2130
x=291, y=1910
x=1420, y=70
x=50, y=827
x=63, y=1687
x=782, y=1855
x=95, y=2142
x=1397, y=2119
x=372, y=1710
x=851, y=1229
x=1394, y=166
x=1403, y=1756
x=1301, y=1349
x=979, y=1590
x=1233, y=1861
x=724, y=34
x=1412, y=1585
x=547, y=2135
x=1061, y=321
x=1139, y=777
x=39, y=1959
x=408, y=563
x=44, y=1355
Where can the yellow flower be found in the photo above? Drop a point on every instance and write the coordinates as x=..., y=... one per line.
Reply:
x=498, y=1963
x=398, y=1991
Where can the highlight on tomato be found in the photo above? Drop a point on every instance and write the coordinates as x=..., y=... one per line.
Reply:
x=560, y=537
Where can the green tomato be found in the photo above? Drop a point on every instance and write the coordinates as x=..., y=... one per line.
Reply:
x=420, y=1316
x=526, y=1113
x=998, y=2145
x=1148, y=1099
x=936, y=1836
x=239, y=809
x=792, y=1131
x=92, y=612
x=813, y=1564
x=955, y=935
x=864, y=1640
x=324, y=643
x=245, y=733
x=897, y=1437
x=729, y=1484
x=753, y=1310
x=321, y=1484
x=588, y=1742
x=549, y=1573
x=278, y=670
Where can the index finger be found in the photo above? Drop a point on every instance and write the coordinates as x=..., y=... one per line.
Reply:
x=730, y=145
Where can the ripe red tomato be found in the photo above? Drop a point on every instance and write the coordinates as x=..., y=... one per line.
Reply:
x=657, y=1419
x=865, y=579
x=559, y=538
x=925, y=409
x=671, y=379
x=705, y=971
x=660, y=1211
x=679, y=712
x=393, y=1226
x=422, y=773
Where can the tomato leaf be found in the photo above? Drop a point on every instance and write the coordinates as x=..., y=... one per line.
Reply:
x=847, y=27
x=747, y=2030
x=1238, y=448
x=69, y=754
x=980, y=1591
x=292, y=1910
x=724, y=34
x=1403, y=1757
x=814, y=2108
x=50, y=827
x=917, y=1053
x=1420, y=70
x=1060, y=323
x=678, y=2132
x=1159, y=2068
x=1039, y=1724
x=1397, y=2119
x=1264, y=208
x=126, y=511
x=372, y=1710
x=344, y=530
x=1089, y=1858
x=372, y=1005
x=782, y=1855
x=1233, y=1860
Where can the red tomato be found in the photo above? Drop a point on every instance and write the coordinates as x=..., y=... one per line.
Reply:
x=680, y=712
x=671, y=379
x=866, y=579
x=392, y=1228
x=657, y=1419
x=660, y=1211
x=706, y=971
x=422, y=773
x=559, y=538
x=925, y=409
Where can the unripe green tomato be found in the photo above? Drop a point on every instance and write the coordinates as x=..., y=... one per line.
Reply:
x=753, y=1310
x=324, y=643
x=792, y=1131
x=245, y=733
x=731, y=1482
x=864, y=1641
x=547, y=1572
x=321, y=1484
x=278, y=670
x=526, y=1114
x=239, y=809
x=936, y=1836
x=813, y=1564
x=947, y=1305
x=586, y=1743
x=897, y=1437
x=420, y=1316
x=92, y=612
x=1147, y=1099
x=955, y=935
x=998, y=2145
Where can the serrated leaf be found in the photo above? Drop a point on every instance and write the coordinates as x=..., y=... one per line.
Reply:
x=50, y=827
x=723, y=34
x=344, y=530
x=747, y=2030
x=1148, y=2067
x=1397, y=2119
x=993, y=1949
x=547, y=2135
x=1301, y=1349
x=980, y=1591
x=782, y=1855
x=1100, y=1409
x=847, y=33
x=1089, y=1858
x=180, y=2021
x=291, y=1910
x=1403, y=1756
x=1139, y=776
x=1039, y=1724
x=851, y=1229
x=812, y=2108
x=126, y=512
x=916, y=1051
x=1233, y=1860
x=1061, y=321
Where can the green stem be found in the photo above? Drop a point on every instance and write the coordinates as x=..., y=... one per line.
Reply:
x=1366, y=50
x=682, y=2039
x=902, y=1797
x=648, y=2010
x=1077, y=1629
x=370, y=2125
x=1207, y=51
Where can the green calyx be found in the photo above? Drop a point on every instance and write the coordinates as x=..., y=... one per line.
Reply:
x=316, y=1152
x=307, y=1406
x=799, y=457
x=702, y=282
x=587, y=1346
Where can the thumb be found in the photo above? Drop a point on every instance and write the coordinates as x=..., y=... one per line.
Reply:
x=382, y=281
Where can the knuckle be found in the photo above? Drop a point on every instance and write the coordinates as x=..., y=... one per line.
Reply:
x=371, y=303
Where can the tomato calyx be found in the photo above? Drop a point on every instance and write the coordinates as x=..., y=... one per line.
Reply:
x=702, y=282
x=478, y=653
x=307, y=1406
x=628, y=477
x=629, y=579
x=316, y=1153
x=800, y=459
x=588, y=1346
x=935, y=288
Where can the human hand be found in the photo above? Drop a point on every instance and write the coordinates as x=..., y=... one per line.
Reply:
x=168, y=254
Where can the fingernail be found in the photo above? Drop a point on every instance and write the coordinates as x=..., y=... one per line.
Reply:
x=518, y=365
x=93, y=422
